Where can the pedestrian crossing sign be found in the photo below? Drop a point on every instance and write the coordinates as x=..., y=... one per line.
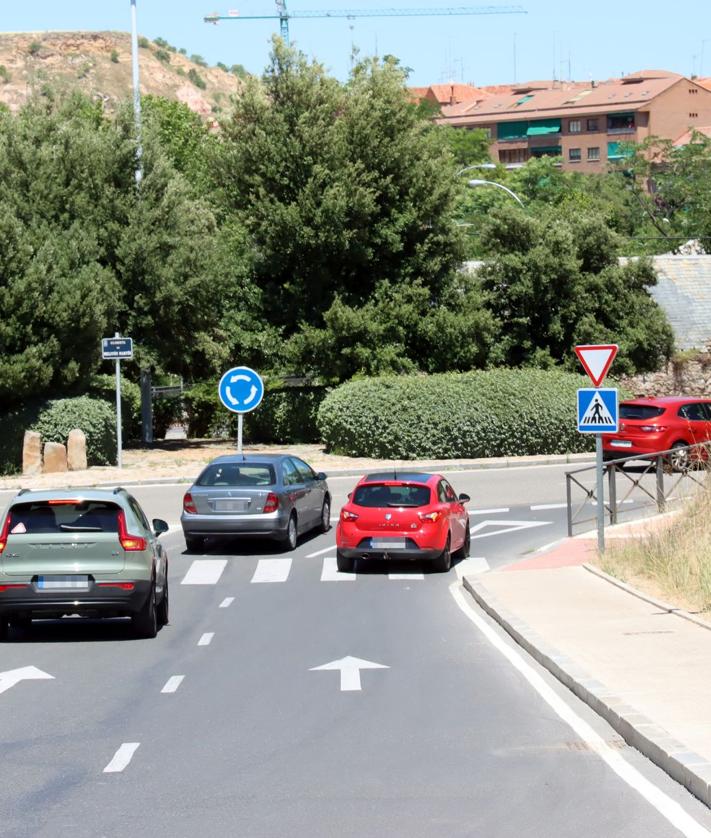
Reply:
x=598, y=411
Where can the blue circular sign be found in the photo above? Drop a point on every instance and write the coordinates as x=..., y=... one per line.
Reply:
x=241, y=389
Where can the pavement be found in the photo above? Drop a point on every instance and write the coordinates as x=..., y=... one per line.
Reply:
x=640, y=663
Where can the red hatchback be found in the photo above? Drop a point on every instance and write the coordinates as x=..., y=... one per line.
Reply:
x=403, y=516
x=648, y=426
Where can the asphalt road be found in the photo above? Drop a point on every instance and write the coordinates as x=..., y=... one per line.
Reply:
x=223, y=725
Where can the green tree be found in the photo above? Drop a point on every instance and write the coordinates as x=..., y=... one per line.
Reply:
x=468, y=147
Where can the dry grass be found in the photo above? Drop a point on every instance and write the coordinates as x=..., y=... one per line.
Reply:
x=674, y=562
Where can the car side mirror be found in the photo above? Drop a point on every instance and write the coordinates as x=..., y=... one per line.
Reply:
x=159, y=526
x=350, y=495
x=321, y=475
x=464, y=498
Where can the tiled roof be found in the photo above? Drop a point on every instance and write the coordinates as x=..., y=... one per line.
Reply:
x=629, y=93
x=685, y=138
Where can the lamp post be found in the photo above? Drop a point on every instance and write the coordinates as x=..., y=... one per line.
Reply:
x=136, y=94
x=498, y=186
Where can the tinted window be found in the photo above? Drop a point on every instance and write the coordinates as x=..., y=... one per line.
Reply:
x=291, y=475
x=450, y=495
x=374, y=495
x=639, y=411
x=138, y=512
x=236, y=474
x=441, y=492
x=306, y=472
x=44, y=517
x=693, y=412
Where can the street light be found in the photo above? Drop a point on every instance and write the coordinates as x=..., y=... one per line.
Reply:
x=498, y=186
x=136, y=94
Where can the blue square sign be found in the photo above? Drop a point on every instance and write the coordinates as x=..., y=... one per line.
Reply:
x=598, y=411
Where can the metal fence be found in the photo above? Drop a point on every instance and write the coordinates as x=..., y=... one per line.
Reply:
x=637, y=485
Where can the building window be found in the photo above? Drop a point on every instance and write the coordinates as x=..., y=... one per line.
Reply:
x=546, y=151
x=593, y=125
x=616, y=151
x=594, y=153
x=693, y=116
x=508, y=156
x=620, y=123
x=575, y=126
x=575, y=155
x=694, y=91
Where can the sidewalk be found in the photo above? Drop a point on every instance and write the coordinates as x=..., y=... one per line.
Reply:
x=641, y=664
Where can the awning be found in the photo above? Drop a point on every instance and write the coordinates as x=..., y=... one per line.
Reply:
x=545, y=126
x=512, y=130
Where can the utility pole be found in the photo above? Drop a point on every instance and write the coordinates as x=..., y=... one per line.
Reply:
x=136, y=94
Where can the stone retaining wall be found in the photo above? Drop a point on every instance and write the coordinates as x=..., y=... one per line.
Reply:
x=689, y=374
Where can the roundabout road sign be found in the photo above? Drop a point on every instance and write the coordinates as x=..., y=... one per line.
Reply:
x=241, y=389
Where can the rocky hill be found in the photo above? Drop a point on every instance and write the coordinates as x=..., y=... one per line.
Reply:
x=99, y=63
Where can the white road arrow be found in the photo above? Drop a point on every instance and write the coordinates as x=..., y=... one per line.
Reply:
x=26, y=673
x=504, y=527
x=350, y=671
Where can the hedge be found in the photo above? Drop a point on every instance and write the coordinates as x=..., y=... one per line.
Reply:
x=477, y=414
x=104, y=387
x=93, y=416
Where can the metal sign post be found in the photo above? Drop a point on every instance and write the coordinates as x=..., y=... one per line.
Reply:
x=117, y=349
x=241, y=390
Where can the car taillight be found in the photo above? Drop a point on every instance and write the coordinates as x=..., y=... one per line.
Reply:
x=650, y=429
x=347, y=515
x=429, y=516
x=130, y=543
x=4, y=532
x=271, y=504
x=189, y=504
x=124, y=586
x=13, y=586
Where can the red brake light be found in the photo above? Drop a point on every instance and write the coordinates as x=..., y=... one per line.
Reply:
x=124, y=586
x=189, y=504
x=347, y=515
x=4, y=532
x=650, y=429
x=12, y=587
x=429, y=516
x=64, y=502
x=130, y=543
x=271, y=504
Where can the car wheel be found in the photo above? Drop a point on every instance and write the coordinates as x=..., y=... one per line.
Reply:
x=463, y=551
x=194, y=543
x=343, y=564
x=291, y=535
x=164, y=605
x=680, y=457
x=443, y=562
x=145, y=621
x=325, y=524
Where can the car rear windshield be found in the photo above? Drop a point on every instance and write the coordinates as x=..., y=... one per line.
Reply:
x=236, y=474
x=378, y=494
x=639, y=411
x=46, y=517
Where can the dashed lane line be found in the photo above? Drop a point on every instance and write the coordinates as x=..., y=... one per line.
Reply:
x=122, y=757
x=542, y=506
x=330, y=572
x=172, y=684
x=227, y=601
x=321, y=552
x=204, y=572
x=501, y=510
x=206, y=638
x=406, y=576
x=272, y=570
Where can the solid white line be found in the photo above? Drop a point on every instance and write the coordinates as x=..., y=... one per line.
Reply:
x=471, y=565
x=204, y=572
x=122, y=757
x=172, y=684
x=321, y=552
x=490, y=511
x=666, y=807
x=330, y=572
x=272, y=570
x=227, y=601
x=408, y=576
x=206, y=638
x=542, y=506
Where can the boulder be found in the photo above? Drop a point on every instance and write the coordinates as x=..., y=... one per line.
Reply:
x=76, y=450
x=55, y=457
x=32, y=453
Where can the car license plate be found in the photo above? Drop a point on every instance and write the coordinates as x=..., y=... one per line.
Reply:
x=620, y=443
x=388, y=544
x=74, y=583
x=237, y=505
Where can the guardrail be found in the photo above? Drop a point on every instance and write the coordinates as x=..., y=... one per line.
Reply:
x=654, y=482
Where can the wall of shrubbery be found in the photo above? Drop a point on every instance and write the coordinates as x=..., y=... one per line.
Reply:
x=493, y=413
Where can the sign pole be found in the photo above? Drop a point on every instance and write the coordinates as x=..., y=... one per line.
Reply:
x=119, y=441
x=600, y=494
x=240, y=420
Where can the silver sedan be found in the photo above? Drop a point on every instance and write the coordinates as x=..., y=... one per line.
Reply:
x=277, y=497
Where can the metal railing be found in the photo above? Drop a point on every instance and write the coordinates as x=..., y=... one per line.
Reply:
x=655, y=481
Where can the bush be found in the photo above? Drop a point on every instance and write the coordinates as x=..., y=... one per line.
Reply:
x=93, y=416
x=13, y=425
x=104, y=387
x=163, y=55
x=196, y=78
x=114, y=56
x=144, y=43
x=34, y=48
x=476, y=414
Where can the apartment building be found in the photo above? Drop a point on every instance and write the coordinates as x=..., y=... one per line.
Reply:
x=585, y=125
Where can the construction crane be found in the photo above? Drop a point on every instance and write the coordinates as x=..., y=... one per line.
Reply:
x=284, y=16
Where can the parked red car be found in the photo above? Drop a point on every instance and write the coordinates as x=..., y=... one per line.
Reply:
x=648, y=426
x=403, y=516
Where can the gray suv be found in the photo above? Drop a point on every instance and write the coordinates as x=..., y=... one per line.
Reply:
x=276, y=497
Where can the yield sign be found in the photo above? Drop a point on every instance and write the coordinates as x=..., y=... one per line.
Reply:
x=597, y=360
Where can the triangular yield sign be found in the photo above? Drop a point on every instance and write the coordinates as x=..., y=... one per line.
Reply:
x=597, y=360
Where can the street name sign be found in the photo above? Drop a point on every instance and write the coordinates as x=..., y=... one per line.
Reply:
x=597, y=360
x=598, y=411
x=117, y=349
x=241, y=389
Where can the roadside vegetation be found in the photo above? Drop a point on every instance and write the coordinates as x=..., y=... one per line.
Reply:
x=673, y=562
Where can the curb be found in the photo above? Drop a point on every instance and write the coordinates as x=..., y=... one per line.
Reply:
x=686, y=767
x=440, y=465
